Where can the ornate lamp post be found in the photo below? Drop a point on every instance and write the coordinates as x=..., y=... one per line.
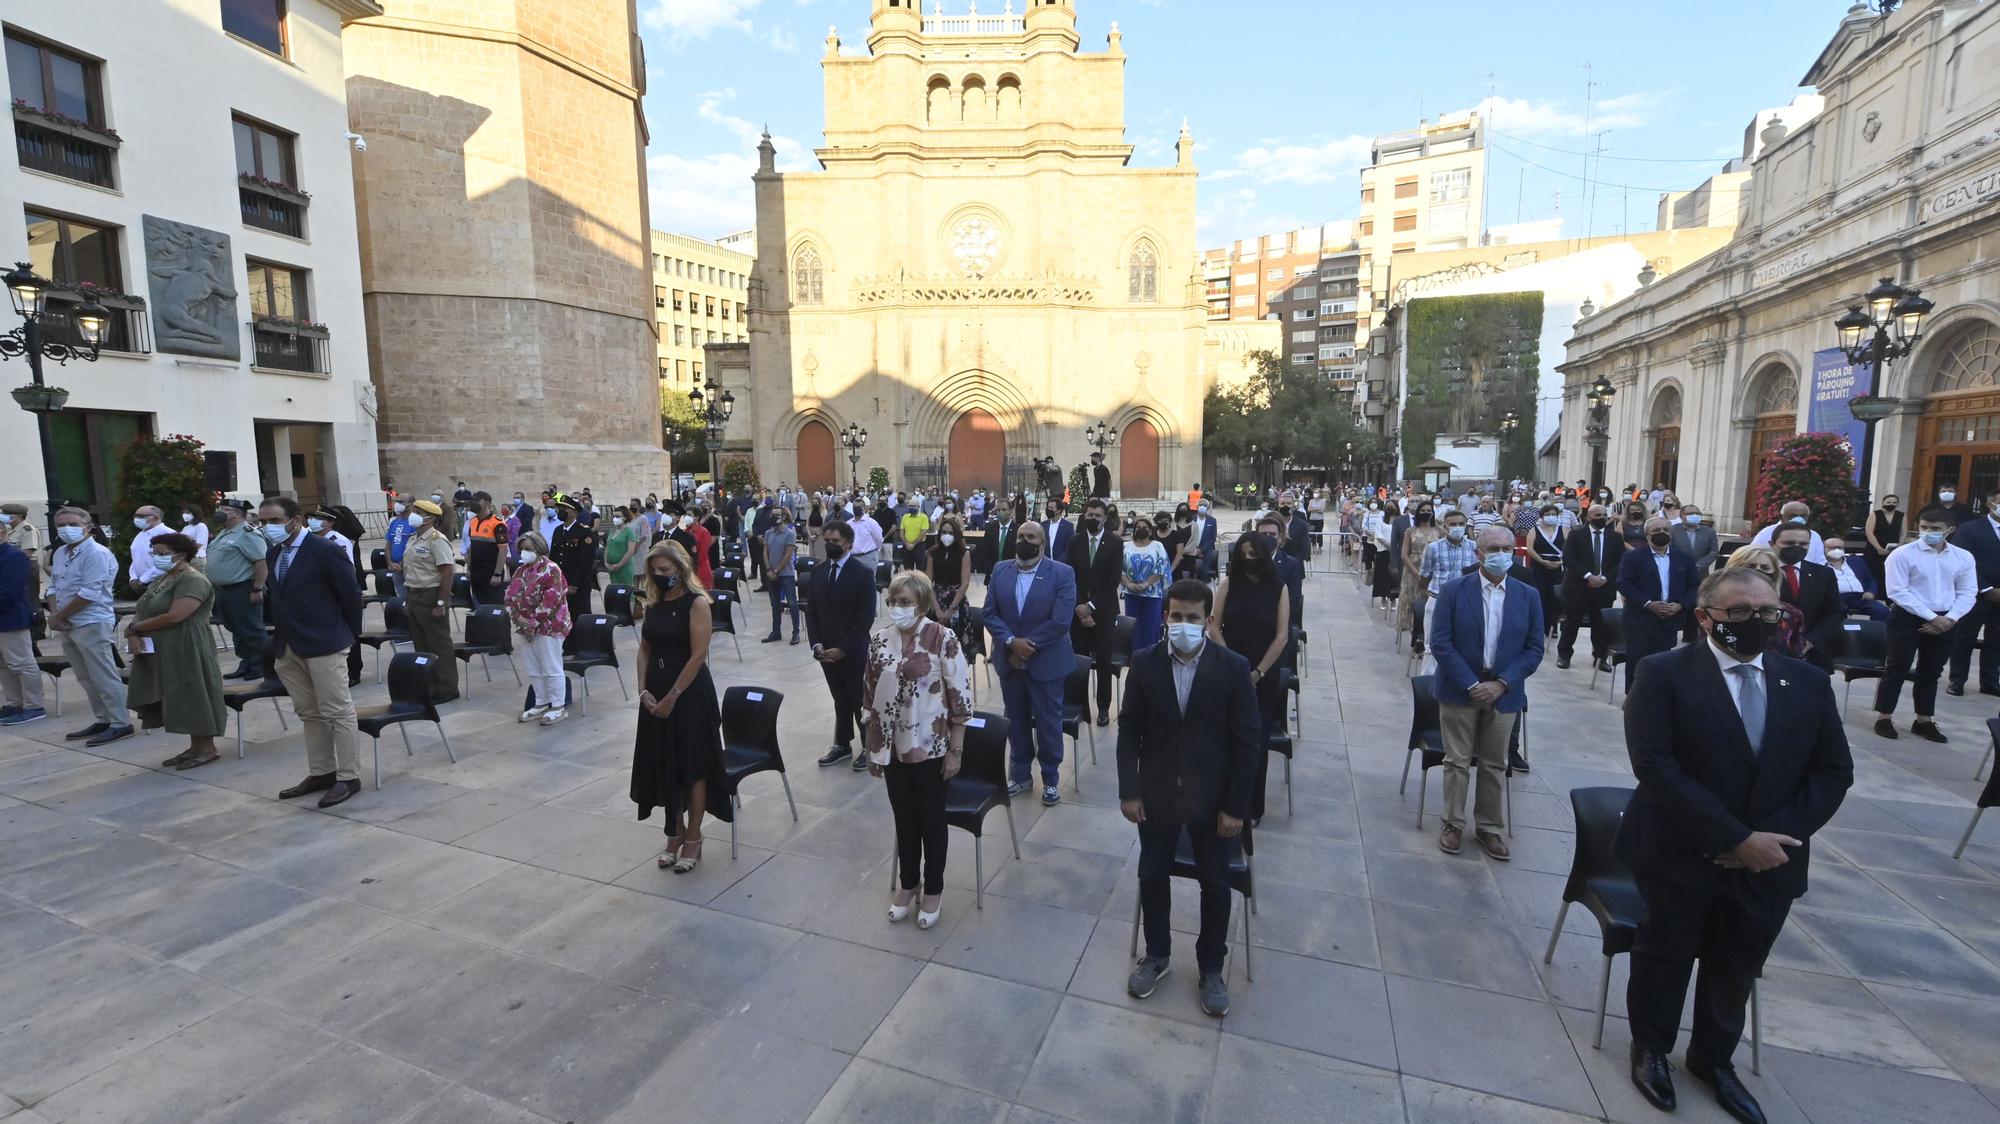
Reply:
x=1597, y=431
x=1100, y=435
x=1509, y=422
x=852, y=439
x=33, y=340
x=670, y=440
x=715, y=409
x=1883, y=332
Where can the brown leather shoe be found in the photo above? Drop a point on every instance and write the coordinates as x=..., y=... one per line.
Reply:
x=1494, y=846
x=319, y=782
x=1451, y=839
x=339, y=793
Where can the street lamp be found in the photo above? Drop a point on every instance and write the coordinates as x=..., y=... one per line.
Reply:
x=1891, y=325
x=852, y=439
x=1597, y=431
x=33, y=340
x=670, y=439
x=714, y=410
x=1100, y=435
x=1256, y=471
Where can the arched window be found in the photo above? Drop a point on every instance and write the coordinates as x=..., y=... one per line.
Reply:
x=808, y=277
x=1144, y=274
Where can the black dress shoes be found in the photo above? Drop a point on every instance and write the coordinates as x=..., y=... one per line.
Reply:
x=317, y=783
x=1605, y=666
x=1653, y=1076
x=339, y=793
x=1516, y=762
x=1731, y=1095
x=1562, y=663
x=1954, y=689
x=836, y=755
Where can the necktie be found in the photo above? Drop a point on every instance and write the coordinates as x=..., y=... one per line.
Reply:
x=1597, y=539
x=1750, y=704
x=1792, y=583
x=284, y=563
x=1093, y=550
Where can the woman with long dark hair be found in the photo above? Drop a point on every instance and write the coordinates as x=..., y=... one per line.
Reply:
x=677, y=759
x=1252, y=607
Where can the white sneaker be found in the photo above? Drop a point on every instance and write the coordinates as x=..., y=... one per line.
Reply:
x=533, y=712
x=555, y=715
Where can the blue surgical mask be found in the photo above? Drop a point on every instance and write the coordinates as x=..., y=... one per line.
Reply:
x=1184, y=637
x=1454, y=533
x=71, y=535
x=1693, y=520
x=1498, y=562
x=315, y=525
x=277, y=532
x=1933, y=538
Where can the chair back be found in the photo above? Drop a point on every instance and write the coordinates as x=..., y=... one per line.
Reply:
x=410, y=682
x=750, y=720
x=488, y=626
x=975, y=633
x=1612, y=620
x=727, y=578
x=883, y=572
x=385, y=586
x=1597, y=811
x=722, y=610
x=1989, y=797
x=618, y=603
x=984, y=757
x=395, y=621
x=378, y=559
x=461, y=590
x=1861, y=643
x=591, y=638
x=1122, y=630
x=1426, y=723
x=1076, y=690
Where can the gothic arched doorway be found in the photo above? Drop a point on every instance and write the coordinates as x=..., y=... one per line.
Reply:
x=1774, y=413
x=977, y=454
x=816, y=463
x=1958, y=440
x=1139, y=461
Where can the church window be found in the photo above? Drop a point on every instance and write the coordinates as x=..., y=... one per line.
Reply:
x=808, y=277
x=1144, y=270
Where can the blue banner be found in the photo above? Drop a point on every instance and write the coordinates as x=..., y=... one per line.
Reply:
x=1835, y=382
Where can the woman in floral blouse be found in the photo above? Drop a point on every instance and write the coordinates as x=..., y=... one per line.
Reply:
x=538, y=603
x=915, y=700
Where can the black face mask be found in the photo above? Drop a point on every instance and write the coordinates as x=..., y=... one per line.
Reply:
x=1054, y=514
x=1747, y=639
x=1026, y=550
x=1423, y=516
x=1659, y=538
x=1285, y=511
x=1598, y=524
x=834, y=550
x=1092, y=526
x=1791, y=555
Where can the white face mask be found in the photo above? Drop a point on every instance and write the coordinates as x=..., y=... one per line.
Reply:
x=617, y=522
x=6, y=520
x=315, y=525
x=416, y=522
x=1947, y=497
x=162, y=561
x=528, y=557
x=903, y=616
x=1184, y=637
x=187, y=517
x=947, y=540
x=70, y=534
x=1835, y=554
x=142, y=522
x=401, y=508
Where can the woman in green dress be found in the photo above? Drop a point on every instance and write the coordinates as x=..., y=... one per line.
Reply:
x=176, y=682
x=626, y=546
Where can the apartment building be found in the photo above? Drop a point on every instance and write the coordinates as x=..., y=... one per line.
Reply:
x=1422, y=190
x=1279, y=277
x=700, y=296
x=187, y=164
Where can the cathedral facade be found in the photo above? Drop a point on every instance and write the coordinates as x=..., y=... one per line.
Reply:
x=977, y=272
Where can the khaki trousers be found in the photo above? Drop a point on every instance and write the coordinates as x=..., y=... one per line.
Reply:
x=318, y=688
x=432, y=634
x=20, y=675
x=1475, y=732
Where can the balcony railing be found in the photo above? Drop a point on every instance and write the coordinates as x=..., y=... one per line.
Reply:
x=72, y=153
x=1007, y=23
x=128, y=328
x=272, y=206
x=291, y=347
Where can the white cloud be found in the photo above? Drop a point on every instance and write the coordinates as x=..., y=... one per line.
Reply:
x=781, y=39
x=710, y=194
x=1329, y=162
x=1227, y=214
x=697, y=19
x=1524, y=118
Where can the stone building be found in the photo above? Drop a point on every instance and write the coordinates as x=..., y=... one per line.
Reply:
x=1898, y=176
x=504, y=243
x=701, y=295
x=977, y=272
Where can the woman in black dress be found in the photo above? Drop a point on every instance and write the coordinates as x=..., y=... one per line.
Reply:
x=1884, y=533
x=1249, y=608
x=1183, y=549
x=677, y=760
x=948, y=563
x=1545, y=562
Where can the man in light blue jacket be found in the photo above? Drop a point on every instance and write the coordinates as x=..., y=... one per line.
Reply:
x=1030, y=600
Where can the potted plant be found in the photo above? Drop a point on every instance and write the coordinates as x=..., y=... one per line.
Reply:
x=291, y=327
x=272, y=187
x=65, y=124
x=41, y=399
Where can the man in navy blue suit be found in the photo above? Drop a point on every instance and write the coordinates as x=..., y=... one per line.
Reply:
x=1860, y=592
x=1740, y=757
x=1056, y=531
x=1980, y=537
x=840, y=609
x=315, y=604
x=1030, y=601
x=1658, y=585
x=1486, y=635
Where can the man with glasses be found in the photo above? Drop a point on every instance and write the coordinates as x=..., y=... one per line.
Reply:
x=1932, y=584
x=1740, y=758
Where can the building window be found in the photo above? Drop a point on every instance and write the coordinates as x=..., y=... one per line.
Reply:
x=1245, y=300
x=659, y=297
x=77, y=256
x=1406, y=221
x=709, y=303
x=680, y=368
x=1302, y=358
x=1143, y=275
x=666, y=369
x=1304, y=314
x=1451, y=186
x=59, y=112
x=277, y=291
x=1274, y=275
x=1450, y=217
x=85, y=445
x=808, y=277
x=680, y=336
x=697, y=370
x=1367, y=195
x=267, y=178
x=257, y=21
x=1406, y=188
x=281, y=321
x=677, y=300
x=1367, y=228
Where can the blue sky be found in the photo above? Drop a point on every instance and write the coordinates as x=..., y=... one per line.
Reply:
x=1283, y=96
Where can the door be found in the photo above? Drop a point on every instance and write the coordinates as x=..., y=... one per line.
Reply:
x=1139, y=462
x=816, y=463
x=1770, y=430
x=978, y=452
x=1958, y=446
x=1667, y=457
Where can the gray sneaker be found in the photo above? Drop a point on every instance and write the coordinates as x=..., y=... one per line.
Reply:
x=1146, y=977
x=1214, y=987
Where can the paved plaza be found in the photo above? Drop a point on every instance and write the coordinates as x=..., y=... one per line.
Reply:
x=490, y=941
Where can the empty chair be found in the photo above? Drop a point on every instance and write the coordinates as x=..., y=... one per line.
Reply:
x=1076, y=719
x=488, y=632
x=1120, y=656
x=1279, y=740
x=409, y=701
x=883, y=572
x=378, y=561
x=395, y=630
x=1612, y=621
x=589, y=645
x=979, y=787
x=722, y=617
x=618, y=606
x=385, y=590
x=461, y=591
x=236, y=697
x=1990, y=795
x=1299, y=651
x=1427, y=739
x=1242, y=880
x=750, y=746
x=1860, y=651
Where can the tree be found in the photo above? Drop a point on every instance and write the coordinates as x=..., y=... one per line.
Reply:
x=1816, y=469
x=165, y=473
x=1289, y=412
x=678, y=413
x=878, y=479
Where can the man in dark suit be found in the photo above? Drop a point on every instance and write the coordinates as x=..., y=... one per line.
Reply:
x=1189, y=749
x=1658, y=584
x=1814, y=589
x=1098, y=557
x=1860, y=592
x=840, y=609
x=1979, y=536
x=1204, y=533
x=1740, y=758
x=1030, y=602
x=573, y=548
x=1100, y=478
x=1590, y=562
x=1482, y=677
x=315, y=608
x=1056, y=531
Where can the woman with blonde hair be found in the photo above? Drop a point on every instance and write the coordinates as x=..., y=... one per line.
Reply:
x=1790, y=639
x=915, y=696
x=677, y=758
x=537, y=602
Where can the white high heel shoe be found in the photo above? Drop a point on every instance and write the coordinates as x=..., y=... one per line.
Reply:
x=926, y=920
x=898, y=912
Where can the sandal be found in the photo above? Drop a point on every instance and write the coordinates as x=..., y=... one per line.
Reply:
x=689, y=858
x=197, y=762
x=672, y=854
x=175, y=761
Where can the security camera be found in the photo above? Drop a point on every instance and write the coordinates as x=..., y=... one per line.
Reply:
x=360, y=142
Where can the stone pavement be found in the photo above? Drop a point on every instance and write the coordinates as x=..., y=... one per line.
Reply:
x=489, y=941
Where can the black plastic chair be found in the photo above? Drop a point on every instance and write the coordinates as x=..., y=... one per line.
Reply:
x=1299, y=652
x=1860, y=651
x=385, y=590
x=395, y=630
x=1120, y=656
x=883, y=572
x=590, y=645
x=750, y=745
x=1279, y=740
x=979, y=787
x=1989, y=797
x=461, y=591
x=1076, y=720
x=378, y=561
x=238, y=697
x=1612, y=621
x=409, y=701
x=1242, y=880
x=1427, y=739
x=618, y=606
x=722, y=617
x=489, y=632
x=53, y=667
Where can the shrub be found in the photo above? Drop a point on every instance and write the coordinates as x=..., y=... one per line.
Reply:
x=164, y=472
x=1816, y=469
x=739, y=473
x=878, y=479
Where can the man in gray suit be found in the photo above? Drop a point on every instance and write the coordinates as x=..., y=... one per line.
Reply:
x=1694, y=537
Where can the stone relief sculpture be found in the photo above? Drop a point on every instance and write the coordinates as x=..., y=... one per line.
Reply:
x=194, y=297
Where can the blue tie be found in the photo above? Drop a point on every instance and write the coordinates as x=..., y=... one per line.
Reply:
x=1750, y=703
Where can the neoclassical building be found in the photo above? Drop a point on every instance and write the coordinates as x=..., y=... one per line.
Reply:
x=977, y=272
x=1898, y=177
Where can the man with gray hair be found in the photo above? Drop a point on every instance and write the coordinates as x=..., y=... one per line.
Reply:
x=82, y=574
x=1796, y=512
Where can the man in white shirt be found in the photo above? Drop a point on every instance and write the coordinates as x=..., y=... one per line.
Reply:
x=147, y=520
x=1932, y=584
x=867, y=548
x=1794, y=512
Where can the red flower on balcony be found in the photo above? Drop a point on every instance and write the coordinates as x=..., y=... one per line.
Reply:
x=23, y=106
